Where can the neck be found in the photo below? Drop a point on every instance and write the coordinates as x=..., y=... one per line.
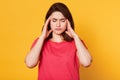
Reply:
x=57, y=38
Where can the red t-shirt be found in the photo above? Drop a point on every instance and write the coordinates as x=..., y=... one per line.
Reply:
x=58, y=61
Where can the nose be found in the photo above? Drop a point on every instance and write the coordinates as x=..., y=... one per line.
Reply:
x=58, y=23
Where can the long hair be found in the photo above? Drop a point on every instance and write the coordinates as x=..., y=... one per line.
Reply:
x=66, y=13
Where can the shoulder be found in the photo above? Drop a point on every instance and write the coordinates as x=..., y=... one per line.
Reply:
x=72, y=44
x=34, y=42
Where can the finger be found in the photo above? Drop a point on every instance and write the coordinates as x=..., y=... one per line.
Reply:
x=68, y=24
x=68, y=33
x=47, y=21
x=69, y=27
x=49, y=32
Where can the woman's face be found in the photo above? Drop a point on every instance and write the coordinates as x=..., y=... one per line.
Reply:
x=58, y=22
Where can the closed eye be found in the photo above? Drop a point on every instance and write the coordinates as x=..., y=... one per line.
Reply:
x=54, y=20
x=63, y=20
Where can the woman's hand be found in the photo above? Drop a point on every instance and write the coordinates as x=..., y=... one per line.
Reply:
x=82, y=52
x=70, y=31
x=45, y=32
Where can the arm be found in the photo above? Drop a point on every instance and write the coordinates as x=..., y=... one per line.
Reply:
x=32, y=57
x=82, y=52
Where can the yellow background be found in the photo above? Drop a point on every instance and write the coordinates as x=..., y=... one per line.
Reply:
x=97, y=22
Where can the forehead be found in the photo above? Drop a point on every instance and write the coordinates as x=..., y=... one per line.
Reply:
x=57, y=15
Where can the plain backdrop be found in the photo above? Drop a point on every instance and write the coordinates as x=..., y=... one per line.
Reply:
x=97, y=22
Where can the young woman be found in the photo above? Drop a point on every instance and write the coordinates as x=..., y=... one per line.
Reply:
x=58, y=51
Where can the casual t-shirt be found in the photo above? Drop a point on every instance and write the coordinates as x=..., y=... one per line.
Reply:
x=58, y=61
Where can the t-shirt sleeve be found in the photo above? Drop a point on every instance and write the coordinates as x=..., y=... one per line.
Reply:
x=34, y=42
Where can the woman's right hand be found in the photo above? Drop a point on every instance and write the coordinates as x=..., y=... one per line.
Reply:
x=45, y=32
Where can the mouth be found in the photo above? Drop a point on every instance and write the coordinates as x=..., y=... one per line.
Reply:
x=58, y=29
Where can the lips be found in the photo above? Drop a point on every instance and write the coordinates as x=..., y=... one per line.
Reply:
x=58, y=29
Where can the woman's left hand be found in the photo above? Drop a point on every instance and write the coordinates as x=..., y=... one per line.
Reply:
x=70, y=31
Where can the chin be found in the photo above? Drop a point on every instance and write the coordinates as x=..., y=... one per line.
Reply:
x=58, y=33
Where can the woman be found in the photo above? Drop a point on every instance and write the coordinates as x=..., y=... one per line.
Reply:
x=58, y=51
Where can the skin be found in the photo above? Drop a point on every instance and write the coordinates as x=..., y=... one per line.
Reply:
x=58, y=25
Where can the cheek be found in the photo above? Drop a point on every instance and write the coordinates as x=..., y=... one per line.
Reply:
x=52, y=25
x=64, y=25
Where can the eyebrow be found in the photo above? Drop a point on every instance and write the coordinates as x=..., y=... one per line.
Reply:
x=60, y=19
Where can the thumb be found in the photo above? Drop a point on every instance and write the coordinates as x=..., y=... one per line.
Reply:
x=49, y=32
x=68, y=33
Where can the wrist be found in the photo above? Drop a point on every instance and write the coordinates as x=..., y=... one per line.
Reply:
x=42, y=36
x=75, y=36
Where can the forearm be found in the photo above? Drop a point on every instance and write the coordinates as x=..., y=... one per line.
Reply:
x=32, y=57
x=82, y=52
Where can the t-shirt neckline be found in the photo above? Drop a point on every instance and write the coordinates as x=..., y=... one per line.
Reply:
x=57, y=42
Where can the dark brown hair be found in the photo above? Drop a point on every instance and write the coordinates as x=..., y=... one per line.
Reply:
x=66, y=13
